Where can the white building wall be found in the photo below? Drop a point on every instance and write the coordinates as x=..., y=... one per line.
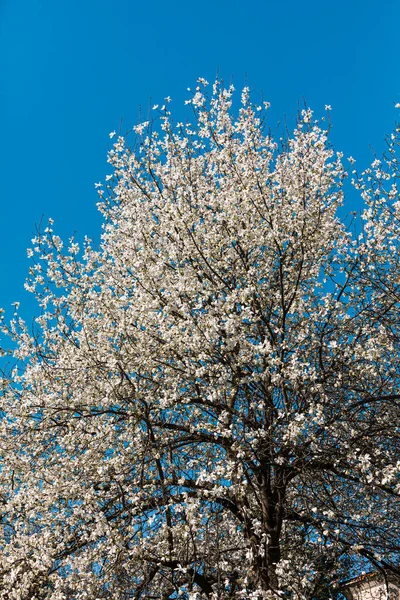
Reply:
x=373, y=590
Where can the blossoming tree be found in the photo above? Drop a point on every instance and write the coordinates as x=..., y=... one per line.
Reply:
x=209, y=405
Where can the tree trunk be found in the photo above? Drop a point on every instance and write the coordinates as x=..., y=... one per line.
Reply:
x=272, y=503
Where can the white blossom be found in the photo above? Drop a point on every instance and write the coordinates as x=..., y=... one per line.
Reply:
x=207, y=406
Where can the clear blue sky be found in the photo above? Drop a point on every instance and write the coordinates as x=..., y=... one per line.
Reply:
x=70, y=70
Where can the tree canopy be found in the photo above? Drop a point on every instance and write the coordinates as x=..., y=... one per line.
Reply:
x=208, y=406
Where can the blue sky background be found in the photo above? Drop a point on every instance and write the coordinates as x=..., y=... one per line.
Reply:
x=71, y=70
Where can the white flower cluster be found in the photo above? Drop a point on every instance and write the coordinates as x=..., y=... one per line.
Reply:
x=208, y=406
